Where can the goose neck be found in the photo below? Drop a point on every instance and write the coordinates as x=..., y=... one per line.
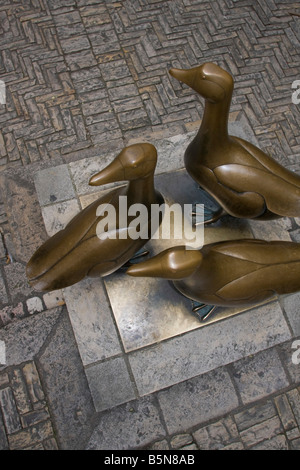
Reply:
x=141, y=191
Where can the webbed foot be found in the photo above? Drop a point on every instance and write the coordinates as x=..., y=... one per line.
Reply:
x=209, y=216
x=212, y=210
x=202, y=311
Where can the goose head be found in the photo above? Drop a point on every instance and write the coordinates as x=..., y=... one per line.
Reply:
x=174, y=264
x=134, y=162
x=209, y=80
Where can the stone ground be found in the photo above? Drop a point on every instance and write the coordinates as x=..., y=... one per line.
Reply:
x=83, y=78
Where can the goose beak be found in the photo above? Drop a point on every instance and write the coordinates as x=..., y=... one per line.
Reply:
x=189, y=77
x=150, y=268
x=114, y=172
x=173, y=264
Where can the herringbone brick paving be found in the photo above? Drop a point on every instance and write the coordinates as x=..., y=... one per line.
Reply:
x=89, y=73
x=85, y=76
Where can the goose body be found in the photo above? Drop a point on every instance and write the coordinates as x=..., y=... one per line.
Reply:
x=229, y=273
x=245, y=181
x=78, y=250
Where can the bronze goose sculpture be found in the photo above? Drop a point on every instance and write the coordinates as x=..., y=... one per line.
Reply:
x=229, y=273
x=78, y=250
x=246, y=182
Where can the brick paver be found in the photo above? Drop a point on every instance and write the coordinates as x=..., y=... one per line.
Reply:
x=87, y=73
x=25, y=422
x=82, y=78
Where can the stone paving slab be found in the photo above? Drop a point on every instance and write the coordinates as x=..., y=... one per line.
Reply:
x=110, y=383
x=259, y=376
x=54, y=186
x=29, y=343
x=134, y=425
x=291, y=306
x=207, y=348
x=90, y=315
x=209, y=401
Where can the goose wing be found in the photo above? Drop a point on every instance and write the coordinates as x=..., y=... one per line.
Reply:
x=77, y=231
x=283, y=278
x=259, y=251
x=281, y=196
x=276, y=268
x=268, y=163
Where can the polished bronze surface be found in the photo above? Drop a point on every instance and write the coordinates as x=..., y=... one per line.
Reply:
x=245, y=181
x=230, y=273
x=77, y=251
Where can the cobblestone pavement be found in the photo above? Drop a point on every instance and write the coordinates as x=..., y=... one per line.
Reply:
x=83, y=78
